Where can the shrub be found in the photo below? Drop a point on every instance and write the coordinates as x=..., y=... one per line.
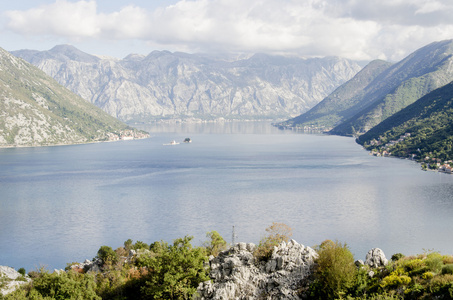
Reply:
x=107, y=255
x=428, y=275
x=434, y=261
x=216, y=244
x=397, y=256
x=70, y=285
x=22, y=271
x=447, y=269
x=174, y=270
x=395, y=280
x=128, y=245
x=412, y=264
x=442, y=285
x=447, y=259
x=277, y=233
x=335, y=272
x=140, y=245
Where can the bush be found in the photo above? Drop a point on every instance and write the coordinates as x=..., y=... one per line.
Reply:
x=395, y=280
x=397, y=256
x=428, y=275
x=442, y=286
x=447, y=269
x=174, y=270
x=277, y=233
x=216, y=244
x=107, y=255
x=62, y=285
x=434, y=261
x=447, y=259
x=22, y=271
x=335, y=272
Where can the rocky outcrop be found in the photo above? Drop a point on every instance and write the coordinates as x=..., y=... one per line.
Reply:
x=237, y=274
x=10, y=279
x=180, y=85
x=375, y=258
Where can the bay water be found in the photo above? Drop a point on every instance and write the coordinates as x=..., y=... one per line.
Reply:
x=60, y=204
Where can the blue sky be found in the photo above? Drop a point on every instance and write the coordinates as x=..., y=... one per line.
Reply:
x=355, y=29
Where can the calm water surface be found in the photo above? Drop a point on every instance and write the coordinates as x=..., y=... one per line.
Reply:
x=60, y=204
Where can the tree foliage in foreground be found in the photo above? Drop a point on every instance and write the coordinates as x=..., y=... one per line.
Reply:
x=276, y=233
x=173, y=271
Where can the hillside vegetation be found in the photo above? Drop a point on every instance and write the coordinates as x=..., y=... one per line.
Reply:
x=176, y=271
x=422, y=130
x=35, y=110
x=400, y=85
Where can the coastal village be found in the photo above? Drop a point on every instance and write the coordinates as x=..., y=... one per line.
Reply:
x=428, y=163
x=127, y=135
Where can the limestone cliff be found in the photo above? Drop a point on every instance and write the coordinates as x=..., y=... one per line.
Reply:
x=181, y=85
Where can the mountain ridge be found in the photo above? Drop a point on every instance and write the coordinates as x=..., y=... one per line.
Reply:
x=336, y=106
x=36, y=111
x=177, y=85
x=403, y=83
x=355, y=109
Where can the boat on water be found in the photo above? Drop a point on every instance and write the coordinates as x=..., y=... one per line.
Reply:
x=187, y=140
x=172, y=143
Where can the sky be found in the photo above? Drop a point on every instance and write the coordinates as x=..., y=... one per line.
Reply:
x=355, y=29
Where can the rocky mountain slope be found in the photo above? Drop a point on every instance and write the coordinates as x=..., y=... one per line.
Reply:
x=35, y=110
x=179, y=85
x=377, y=92
x=339, y=105
x=400, y=85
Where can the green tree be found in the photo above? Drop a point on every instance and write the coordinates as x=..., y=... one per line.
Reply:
x=60, y=286
x=107, y=255
x=277, y=233
x=335, y=271
x=216, y=243
x=174, y=270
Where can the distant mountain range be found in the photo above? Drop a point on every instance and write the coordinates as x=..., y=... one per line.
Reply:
x=180, y=85
x=35, y=110
x=380, y=90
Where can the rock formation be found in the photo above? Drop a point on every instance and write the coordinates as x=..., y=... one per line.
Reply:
x=237, y=274
x=10, y=279
x=375, y=258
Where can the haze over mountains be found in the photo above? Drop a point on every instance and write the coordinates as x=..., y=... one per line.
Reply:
x=179, y=85
x=379, y=91
x=35, y=110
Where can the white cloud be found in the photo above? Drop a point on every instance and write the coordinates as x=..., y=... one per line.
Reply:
x=388, y=29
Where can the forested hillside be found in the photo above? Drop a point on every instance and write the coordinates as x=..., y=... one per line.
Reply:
x=423, y=129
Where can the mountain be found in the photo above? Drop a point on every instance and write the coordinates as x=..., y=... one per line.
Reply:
x=35, y=110
x=400, y=85
x=180, y=85
x=424, y=128
x=339, y=105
